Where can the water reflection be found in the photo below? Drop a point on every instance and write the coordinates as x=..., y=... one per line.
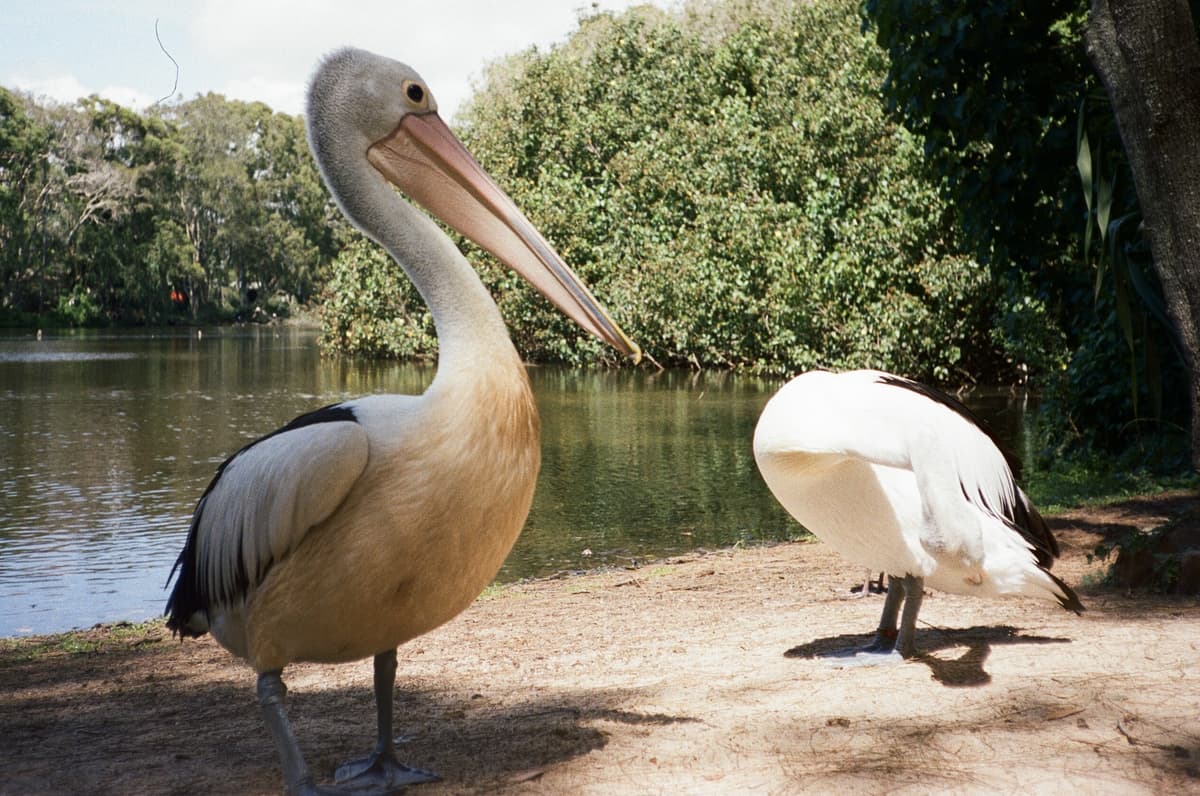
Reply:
x=107, y=440
x=639, y=464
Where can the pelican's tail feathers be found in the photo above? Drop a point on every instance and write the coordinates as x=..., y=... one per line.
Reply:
x=1010, y=578
x=187, y=607
x=1010, y=566
x=1021, y=575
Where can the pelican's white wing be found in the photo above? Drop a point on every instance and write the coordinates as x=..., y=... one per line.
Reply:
x=901, y=477
x=259, y=506
x=834, y=450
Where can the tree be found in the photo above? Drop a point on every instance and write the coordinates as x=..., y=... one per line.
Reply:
x=247, y=196
x=24, y=147
x=1148, y=55
x=111, y=216
x=1001, y=93
x=301, y=232
x=726, y=179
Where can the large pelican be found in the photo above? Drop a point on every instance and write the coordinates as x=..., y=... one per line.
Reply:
x=361, y=525
x=900, y=477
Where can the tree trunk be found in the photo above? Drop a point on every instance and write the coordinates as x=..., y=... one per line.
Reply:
x=1147, y=54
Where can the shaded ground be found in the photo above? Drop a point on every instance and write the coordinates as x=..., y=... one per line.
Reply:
x=693, y=675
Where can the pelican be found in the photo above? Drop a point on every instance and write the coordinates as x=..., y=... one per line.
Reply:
x=900, y=477
x=364, y=524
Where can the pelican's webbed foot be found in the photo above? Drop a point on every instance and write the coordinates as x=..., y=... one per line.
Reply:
x=894, y=641
x=382, y=772
x=379, y=773
x=884, y=643
x=881, y=650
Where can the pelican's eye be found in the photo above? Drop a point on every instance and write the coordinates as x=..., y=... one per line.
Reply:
x=415, y=93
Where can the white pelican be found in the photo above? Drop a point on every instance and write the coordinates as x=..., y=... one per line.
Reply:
x=361, y=525
x=900, y=477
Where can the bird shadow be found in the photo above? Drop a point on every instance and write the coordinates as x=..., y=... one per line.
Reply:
x=967, y=669
x=471, y=740
x=111, y=723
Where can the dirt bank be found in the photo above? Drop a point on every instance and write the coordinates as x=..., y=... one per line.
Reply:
x=693, y=675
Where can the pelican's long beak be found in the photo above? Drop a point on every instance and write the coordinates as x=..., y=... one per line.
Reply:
x=429, y=164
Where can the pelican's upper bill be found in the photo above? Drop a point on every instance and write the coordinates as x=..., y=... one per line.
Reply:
x=427, y=162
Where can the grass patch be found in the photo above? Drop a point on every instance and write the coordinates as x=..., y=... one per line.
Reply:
x=1069, y=485
x=96, y=640
x=493, y=591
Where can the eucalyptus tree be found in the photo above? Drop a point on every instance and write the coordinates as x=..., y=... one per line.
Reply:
x=248, y=201
x=301, y=230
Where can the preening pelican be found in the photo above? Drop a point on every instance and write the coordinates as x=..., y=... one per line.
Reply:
x=361, y=525
x=900, y=477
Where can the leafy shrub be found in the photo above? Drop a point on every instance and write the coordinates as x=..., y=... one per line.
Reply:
x=79, y=308
x=725, y=180
x=370, y=308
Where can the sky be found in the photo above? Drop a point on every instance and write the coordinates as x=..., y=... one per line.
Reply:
x=264, y=49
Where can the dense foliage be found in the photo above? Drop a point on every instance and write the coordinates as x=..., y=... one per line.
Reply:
x=205, y=209
x=1012, y=117
x=727, y=182
x=369, y=307
x=726, y=176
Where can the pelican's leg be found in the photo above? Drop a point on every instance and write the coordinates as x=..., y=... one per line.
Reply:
x=382, y=770
x=914, y=588
x=882, y=649
x=271, y=696
x=866, y=588
x=885, y=635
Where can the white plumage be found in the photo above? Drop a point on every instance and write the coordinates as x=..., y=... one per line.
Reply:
x=899, y=477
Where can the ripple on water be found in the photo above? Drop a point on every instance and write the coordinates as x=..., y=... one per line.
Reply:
x=65, y=356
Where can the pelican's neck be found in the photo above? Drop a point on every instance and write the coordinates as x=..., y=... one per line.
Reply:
x=472, y=338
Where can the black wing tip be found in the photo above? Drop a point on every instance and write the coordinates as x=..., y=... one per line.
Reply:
x=1034, y=528
x=1068, y=599
x=1031, y=525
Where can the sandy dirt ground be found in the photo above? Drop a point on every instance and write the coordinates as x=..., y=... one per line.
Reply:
x=694, y=675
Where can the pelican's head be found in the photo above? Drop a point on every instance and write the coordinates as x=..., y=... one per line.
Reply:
x=386, y=113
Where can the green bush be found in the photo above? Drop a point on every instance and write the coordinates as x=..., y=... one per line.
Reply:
x=79, y=308
x=370, y=308
x=726, y=181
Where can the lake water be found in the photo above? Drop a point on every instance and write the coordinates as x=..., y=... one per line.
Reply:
x=107, y=440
